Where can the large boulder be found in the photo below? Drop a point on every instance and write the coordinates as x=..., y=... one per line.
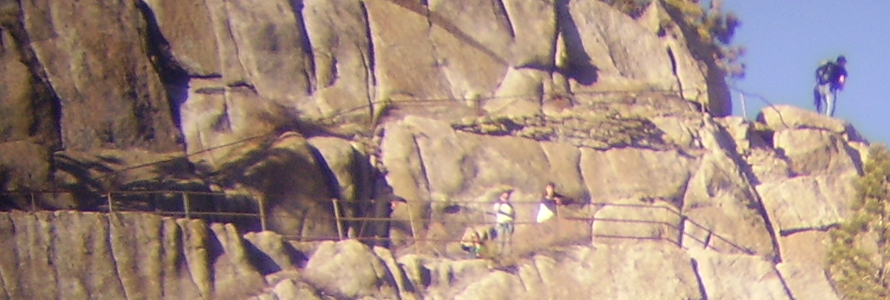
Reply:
x=221, y=123
x=808, y=202
x=111, y=97
x=349, y=269
x=817, y=152
x=350, y=176
x=286, y=177
x=780, y=117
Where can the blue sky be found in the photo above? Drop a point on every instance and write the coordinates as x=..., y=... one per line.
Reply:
x=786, y=40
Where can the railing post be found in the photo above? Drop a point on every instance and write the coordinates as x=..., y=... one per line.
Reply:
x=185, y=204
x=337, y=217
x=262, y=204
x=33, y=203
x=110, y=202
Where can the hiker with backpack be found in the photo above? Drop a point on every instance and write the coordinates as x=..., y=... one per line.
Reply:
x=830, y=78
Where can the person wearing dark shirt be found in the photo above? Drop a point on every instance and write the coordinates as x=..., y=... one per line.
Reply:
x=549, y=201
x=830, y=78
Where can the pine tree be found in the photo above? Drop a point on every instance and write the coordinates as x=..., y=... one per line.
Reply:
x=859, y=253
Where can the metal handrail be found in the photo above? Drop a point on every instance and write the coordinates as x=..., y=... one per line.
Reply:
x=339, y=219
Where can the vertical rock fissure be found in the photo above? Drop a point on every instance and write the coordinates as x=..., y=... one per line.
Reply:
x=51, y=255
x=698, y=279
x=761, y=209
x=237, y=49
x=503, y=11
x=172, y=75
x=3, y=282
x=673, y=58
x=369, y=62
x=309, y=52
x=784, y=284
x=423, y=168
x=114, y=257
x=185, y=248
x=15, y=250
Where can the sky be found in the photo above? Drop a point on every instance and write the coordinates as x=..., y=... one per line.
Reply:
x=786, y=40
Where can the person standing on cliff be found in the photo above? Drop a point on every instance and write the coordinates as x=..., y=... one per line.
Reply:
x=504, y=216
x=830, y=78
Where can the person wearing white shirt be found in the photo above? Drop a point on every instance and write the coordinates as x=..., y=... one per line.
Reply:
x=504, y=216
x=549, y=203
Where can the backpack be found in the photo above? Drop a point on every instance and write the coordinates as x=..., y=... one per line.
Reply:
x=823, y=73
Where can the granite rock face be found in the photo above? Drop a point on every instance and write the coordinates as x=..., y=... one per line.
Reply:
x=306, y=111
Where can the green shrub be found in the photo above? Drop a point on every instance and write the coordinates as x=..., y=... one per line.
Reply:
x=859, y=253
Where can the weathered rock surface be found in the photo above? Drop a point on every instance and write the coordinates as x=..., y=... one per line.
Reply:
x=77, y=255
x=150, y=257
x=806, y=282
x=739, y=277
x=24, y=166
x=634, y=221
x=808, y=202
x=110, y=95
x=814, y=152
x=26, y=103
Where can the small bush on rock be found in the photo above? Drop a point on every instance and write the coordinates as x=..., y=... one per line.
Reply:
x=859, y=254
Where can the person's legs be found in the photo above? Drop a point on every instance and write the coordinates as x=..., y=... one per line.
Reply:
x=825, y=101
x=500, y=235
x=817, y=99
x=505, y=235
x=830, y=99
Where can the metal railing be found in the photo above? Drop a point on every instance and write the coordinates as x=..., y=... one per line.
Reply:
x=114, y=203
